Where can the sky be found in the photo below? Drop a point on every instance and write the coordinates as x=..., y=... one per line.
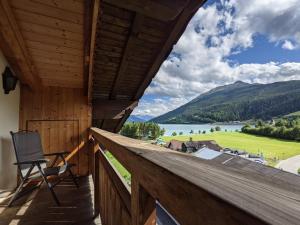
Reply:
x=255, y=41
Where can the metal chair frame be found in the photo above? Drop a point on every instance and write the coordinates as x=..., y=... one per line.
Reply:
x=45, y=176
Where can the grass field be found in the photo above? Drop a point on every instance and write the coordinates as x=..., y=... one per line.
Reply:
x=121, y=169
x=270, y=147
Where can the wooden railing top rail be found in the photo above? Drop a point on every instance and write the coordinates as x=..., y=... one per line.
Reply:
x=198, y=191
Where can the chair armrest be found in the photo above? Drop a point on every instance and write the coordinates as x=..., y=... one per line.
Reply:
x=32, y=162
x=56, y=153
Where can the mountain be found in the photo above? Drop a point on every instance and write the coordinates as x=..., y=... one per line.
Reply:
x=238, y=102
x=134, y=118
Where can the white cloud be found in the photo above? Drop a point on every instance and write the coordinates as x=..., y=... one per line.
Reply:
x=288, y=45
x=158, y=106
x=201, y=59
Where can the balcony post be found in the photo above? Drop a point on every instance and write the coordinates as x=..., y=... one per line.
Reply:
x=142, y=205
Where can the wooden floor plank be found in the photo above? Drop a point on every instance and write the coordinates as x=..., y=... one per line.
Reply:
x=39, y=207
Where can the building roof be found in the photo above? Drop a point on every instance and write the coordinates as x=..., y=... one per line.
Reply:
x=206, y=153
x=200, y=144
x=175, y=145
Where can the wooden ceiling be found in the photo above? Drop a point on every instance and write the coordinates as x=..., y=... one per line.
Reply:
x=132, y=39
x=53, y=34
x=111, y=48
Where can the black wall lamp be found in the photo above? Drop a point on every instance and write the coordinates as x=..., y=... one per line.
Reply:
x=9, y=80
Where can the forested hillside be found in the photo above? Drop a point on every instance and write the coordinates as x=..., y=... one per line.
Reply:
x=238, y=102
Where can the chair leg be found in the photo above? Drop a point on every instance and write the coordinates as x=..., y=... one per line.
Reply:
x=49, y=186
x=15, y=196
x=16, y=193
x=73, y=177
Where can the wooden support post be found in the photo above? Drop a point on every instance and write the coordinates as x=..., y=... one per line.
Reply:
x=142, y=205
x=96, y=183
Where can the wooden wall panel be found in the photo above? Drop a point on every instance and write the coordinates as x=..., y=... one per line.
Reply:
x=62, y=116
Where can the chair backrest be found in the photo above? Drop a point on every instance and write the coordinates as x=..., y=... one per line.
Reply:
x=28, y=147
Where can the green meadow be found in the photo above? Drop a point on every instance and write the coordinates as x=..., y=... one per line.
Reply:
x=271, y=148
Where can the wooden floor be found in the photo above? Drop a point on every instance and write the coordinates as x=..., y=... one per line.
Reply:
x=39, y=208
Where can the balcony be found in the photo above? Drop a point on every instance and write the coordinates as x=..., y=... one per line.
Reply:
x=83, y=64
x=165, y=185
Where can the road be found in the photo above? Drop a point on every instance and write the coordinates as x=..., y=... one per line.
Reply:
x=290, y=165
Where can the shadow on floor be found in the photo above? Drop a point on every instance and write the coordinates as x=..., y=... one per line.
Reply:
x=39, y=207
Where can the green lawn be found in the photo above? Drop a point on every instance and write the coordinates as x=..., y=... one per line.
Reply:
x=270, y=147
x=121, y=169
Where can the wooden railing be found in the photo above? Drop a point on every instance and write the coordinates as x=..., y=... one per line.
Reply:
x=192, y=190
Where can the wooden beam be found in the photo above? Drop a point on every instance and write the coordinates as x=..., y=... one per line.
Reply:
x=173, y=37
x=88, y=9
x=111, y=109
x=198, y=191
x=123, y=120
x=164, y=11
x=14, y=49
x=137, y=23
x=92, y=48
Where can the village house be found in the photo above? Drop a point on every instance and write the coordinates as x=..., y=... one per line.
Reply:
x=192, y=146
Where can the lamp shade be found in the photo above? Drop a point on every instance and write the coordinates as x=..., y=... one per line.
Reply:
x=9, y=80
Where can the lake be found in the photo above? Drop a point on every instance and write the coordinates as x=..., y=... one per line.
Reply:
x=186, y=128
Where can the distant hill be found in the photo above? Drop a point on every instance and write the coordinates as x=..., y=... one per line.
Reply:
x=134, y=118
x=238, y=102
x=292, y=115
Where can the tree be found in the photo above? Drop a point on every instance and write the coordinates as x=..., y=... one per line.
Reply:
x=162, y=132
x=180, y=133
x=217, y=128
x=204, y=132
x=259, y=123
x=148, y=130
x=212, y=129
x=199, y=131
x=191, y=132
x=174, y=133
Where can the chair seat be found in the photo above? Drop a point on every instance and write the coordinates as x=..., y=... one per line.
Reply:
x=57, y=170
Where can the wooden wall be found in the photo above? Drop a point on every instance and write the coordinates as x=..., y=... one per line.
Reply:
x=62, y=116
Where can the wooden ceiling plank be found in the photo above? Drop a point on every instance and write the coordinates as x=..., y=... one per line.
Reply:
x=68, y=5
x=117, y=12
x=108, y=53
x=52, y=48
x=47, y=21
x=150, y=8
x=60, y=33
x=45, y=39
x=137, y=23
x=62, y=83
x=115, y=20
x=14, y=48
x=55, y=55
x=55, y=61
x=92, y=47
x=173, y=37
x=46, y=10
x=112, y=35
x=62, y=68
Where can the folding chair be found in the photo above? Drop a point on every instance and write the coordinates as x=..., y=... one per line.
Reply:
x=32, y=164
